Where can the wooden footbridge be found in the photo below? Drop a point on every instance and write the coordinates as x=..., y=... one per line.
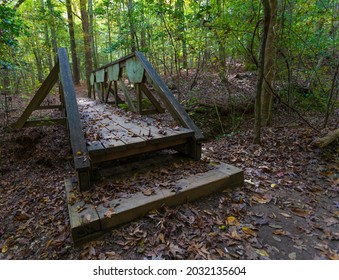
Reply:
x=100, y=132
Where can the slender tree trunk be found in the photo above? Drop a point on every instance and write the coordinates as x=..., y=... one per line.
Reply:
x=131, y=25
x=109, y=34
x=38, y=64
x=87, y=43
x=91, y=33
x=269, y=70
x=47, y=39
x=257, y=122
x=76, y=74
x=53, y=32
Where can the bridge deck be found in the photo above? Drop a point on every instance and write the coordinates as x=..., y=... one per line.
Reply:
x=112, y=133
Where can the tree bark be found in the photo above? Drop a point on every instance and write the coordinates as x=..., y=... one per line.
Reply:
x=259, y=87
x=76, y=74
x=53, y=32
x=327, y=139
x=269, y=69
x=91, y=33
x=87, y=43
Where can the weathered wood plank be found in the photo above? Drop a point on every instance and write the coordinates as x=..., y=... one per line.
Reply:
x=124, y=210
x=100, y=76
x=48, y=107
x=113, y=72
x=127, y=96
x=39, y=96
x=46, y=122
x=151, y=98
x=168, y=98
x=135, y=70
x=77, y=139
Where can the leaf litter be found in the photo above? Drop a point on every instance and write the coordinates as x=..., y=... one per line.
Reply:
x=287, y=208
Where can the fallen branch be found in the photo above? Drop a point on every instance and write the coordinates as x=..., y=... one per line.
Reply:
x=327, y=139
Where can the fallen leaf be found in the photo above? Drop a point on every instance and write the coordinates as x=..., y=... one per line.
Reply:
x=92, y=251
x=262, y=253
x=234, y=234
x=4, y=248
x=331, y=221
x=249, y=182
x=249, y=231
x=301, y=212
x=148, y=191
x=285, y=215
x=281, y=232
x=261, y=199
x=292, y=256
x=232, y=221
x=273, y=185
x=275, y=226
x=109, y=213
x=162, y=238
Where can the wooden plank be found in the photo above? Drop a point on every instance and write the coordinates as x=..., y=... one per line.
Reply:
x=46, y=122
x=127, y=95
x=221, y=177
x=174, y=107
x=100, y=76
x=113, y=72
x=139, y=98
x=92, y=79
x=151, y=98
x=135, y=70
x=112, y=153
x=48, y=107
x=39, y=96
x=119, y=61
x=77, y=139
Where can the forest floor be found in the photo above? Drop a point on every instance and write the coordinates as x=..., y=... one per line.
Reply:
x=288, y=207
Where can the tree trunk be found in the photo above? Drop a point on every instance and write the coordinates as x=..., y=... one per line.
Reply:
x=87, y=43
x=47, y=39
x=53, y=32
x=269, y=70
x=131, y=25
x=76, y=74
x=91, y=33
x=257, y=122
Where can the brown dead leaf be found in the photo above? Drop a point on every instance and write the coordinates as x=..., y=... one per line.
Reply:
x=232, y=221
x=161, y=237
x=91, y=251
x=249, y=231
x=4, y=248
x=301, y=212
x=281, y=232
x=285, y=215
x=148, y=191
x=109, y=213
x=262, y=199
x=235, y=235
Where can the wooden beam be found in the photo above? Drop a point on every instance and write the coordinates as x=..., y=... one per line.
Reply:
x=49, y=107
x=59, y=121
x=39, y=96
x=174, y=107
x=77, y=139
x=151, y=98
x=128, y=97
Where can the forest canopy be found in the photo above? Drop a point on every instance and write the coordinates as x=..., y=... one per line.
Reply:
x=178, y=35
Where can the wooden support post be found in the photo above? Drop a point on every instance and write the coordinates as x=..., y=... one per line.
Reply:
x=174, y=107
x=127, y=96
x=139, y=97
x=40, y=95
x=109, y=88
x=116, y=97
x=77, y=139
x=151, y=98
